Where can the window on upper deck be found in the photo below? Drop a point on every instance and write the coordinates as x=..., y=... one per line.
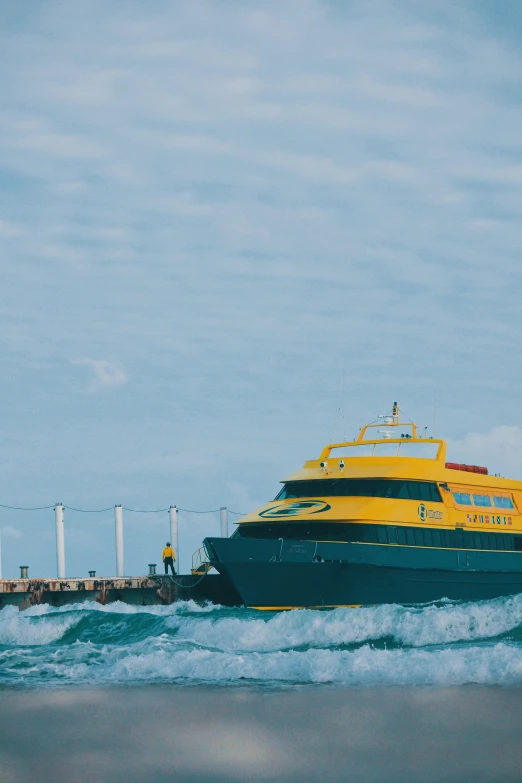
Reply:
x=462, y=498
x=501, y=501
x=398, y=489
x=482, y=500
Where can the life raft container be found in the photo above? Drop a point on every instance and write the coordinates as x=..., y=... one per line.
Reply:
x=468, y=468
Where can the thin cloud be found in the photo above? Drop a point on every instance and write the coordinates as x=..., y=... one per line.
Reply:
x=8, y=531
x=107, y=374
x=499, y=449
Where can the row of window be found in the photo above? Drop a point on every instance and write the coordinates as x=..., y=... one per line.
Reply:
x=499, y=501
x=310, y=531
x=365, y=488
x=453, y=539
x=398, y=489
x=381, y=534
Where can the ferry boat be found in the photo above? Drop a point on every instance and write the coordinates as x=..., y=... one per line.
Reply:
x=382, y=519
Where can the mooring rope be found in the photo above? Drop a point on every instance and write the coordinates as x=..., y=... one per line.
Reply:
x=186, y=587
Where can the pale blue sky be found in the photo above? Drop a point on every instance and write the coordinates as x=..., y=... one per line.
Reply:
x=220, y=222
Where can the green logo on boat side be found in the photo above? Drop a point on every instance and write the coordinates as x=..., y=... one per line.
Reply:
x=299, y=509
x=425, y=513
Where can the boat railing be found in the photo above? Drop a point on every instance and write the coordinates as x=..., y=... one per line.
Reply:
x=200, y=564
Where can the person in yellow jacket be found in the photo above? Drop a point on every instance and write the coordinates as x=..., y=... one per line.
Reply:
x=169, y=558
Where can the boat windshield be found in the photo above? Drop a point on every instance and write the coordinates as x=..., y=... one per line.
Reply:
x=362, y=488
x=405, y=448
x=386, y=430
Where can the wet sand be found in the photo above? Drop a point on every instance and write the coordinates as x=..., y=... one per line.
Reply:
x=199, y=734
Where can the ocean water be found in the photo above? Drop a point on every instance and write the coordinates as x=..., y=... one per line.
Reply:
x=88, y=644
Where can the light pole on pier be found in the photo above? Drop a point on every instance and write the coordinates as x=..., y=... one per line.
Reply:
x=118, y=524
x=60, y=541
x=223, y=513
x=174, y=537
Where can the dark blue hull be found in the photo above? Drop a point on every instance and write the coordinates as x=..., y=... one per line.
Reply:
x=270, y=573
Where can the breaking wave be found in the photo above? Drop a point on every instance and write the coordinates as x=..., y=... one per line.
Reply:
x=439, y=644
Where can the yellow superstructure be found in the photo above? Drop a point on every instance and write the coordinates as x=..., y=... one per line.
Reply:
x=470, y=499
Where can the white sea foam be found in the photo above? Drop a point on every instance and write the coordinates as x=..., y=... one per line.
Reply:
x=448, y=644
x=44, y=624
x=416, y=627
x=495, y=664
x=119, y=607
x=20, y=628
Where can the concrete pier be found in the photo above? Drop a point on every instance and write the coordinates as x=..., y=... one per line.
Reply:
x=136, y=590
